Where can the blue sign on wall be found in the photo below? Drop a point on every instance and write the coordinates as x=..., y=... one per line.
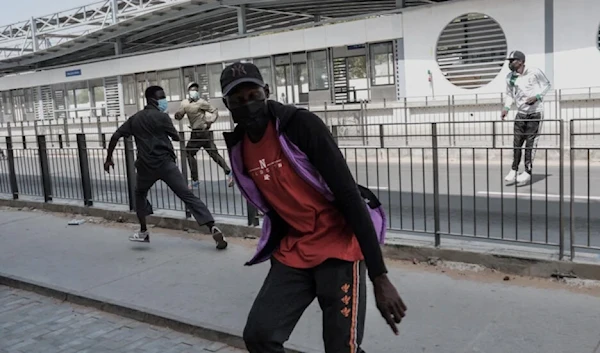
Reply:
x=356, y=46
x=72, y=73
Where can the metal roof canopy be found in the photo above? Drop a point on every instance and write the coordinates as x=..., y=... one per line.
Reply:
x=123, y=27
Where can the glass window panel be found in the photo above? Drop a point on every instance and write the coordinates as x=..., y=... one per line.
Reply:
x=129, y=89
x=382, y=64
x=264, y=65
x=169, y=81
x=214, y=80
x=318, y=70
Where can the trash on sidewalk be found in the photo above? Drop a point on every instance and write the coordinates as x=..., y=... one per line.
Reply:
x=76, y=222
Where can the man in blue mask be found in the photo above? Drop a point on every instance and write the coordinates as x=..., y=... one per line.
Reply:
x=153, y=131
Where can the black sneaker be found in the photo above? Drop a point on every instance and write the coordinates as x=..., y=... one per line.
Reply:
x=142, y=237
x=219, y=238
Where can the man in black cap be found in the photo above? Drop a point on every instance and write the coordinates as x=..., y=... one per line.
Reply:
x=526, y=87
x=321, y=230
x=201, y=115
x=153, y=131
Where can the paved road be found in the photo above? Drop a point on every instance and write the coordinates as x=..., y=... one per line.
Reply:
x=190, y=279
x=31, y=323
x=474, y=199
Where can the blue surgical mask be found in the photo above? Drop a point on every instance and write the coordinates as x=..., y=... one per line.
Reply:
x=163, y=105
x=194, y=95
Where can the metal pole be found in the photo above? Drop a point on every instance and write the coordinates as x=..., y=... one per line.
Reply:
x=12, y=175
x=184, y=171
x=493, y=134
x=406, y=121
x=84, y=167
x=572, y=187
x=381, y=136
x=436, y=191
x=130, y=168
x=334, y=131
x=561, y=191
x=45, y=168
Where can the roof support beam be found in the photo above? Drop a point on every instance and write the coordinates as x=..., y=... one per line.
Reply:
x=16, y=49
x=176, y=23
x=241, y=19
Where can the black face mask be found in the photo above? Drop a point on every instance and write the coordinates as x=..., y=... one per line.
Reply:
x=512, y=66
x=252, y=117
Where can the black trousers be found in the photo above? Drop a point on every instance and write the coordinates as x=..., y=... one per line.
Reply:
x=169, y=173
x=203, y=139
x=527, y=129
x=340, y=288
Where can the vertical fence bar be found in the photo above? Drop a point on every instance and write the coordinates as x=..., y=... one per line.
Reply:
x=66, y=131
x=572, y=188
x=436, y=191
x=130, y=169
x=184, y=171
x=381, y=136
x=12, y=175
x=334, y=132
x=561, y=187
x=45, y=168
x=252, y=215
x=325, y=114
x=84, y=167
x=405, y=121
x=493, y=134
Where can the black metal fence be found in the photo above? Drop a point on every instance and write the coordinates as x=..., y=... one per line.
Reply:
x=435, y=188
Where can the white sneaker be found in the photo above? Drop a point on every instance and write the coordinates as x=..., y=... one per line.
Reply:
x=523, y=178
x=143, y=237
x=511, y=176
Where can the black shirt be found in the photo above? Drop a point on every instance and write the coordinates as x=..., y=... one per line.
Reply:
x=151, y=129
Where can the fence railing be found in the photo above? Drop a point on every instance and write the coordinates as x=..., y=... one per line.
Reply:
x=436, y=189
x=581, y=105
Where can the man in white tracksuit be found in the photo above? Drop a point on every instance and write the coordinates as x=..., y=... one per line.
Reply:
x=526, y=87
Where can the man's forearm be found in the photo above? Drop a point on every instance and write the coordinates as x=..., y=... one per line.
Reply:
x=111, y=147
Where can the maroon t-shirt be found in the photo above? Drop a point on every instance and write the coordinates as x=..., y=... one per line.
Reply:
x=318, y=230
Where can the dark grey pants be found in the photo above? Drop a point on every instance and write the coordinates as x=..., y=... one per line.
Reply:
x=340, y=288
x=203, y=139
x=169, y=173
x=527, y=129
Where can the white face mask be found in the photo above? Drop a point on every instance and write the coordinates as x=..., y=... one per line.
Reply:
x=194, y=95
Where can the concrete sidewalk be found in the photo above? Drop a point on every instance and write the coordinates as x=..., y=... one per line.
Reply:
x=185, y=278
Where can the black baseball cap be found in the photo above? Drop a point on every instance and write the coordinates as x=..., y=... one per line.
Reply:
x=516, y=55
x=238, y=73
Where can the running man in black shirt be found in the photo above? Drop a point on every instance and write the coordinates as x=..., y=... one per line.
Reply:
x=152, y=128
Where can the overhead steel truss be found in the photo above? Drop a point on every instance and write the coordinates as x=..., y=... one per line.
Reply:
x=112, y=27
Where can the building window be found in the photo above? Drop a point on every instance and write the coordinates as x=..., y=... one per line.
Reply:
x=471, y=50
x=382, y=64
x=598, y=38
x=29, y=100
x=264, y=66
x=214, y=80
x=129, y=89
x=170, y=82
x=318, y=70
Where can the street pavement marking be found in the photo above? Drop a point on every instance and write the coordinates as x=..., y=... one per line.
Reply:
x=534, y=195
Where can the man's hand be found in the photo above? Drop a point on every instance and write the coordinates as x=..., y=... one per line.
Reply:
x=388, y=301
x=108, y=164
x=504, y=114
x=531, y=100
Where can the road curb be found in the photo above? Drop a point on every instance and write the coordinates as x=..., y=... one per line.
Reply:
x=201, y=330
x=509, y=264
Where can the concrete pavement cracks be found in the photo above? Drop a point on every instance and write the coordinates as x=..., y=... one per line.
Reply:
x=186, y=277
